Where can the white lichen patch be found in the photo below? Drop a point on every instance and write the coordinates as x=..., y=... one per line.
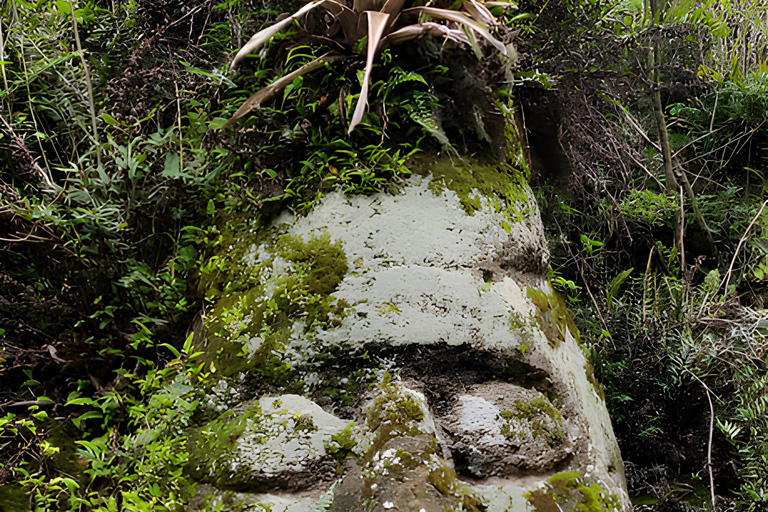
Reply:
x=432, y=304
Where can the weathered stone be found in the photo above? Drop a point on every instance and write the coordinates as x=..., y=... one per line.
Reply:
x=504, y=429
x=403, y=469
x=444, y=283
x=277, y=442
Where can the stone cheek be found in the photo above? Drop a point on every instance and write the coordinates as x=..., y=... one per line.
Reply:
x=277, y=442
x=484, y=382
x=500, y=429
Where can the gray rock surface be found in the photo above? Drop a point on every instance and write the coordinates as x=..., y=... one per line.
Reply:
x=488, y=402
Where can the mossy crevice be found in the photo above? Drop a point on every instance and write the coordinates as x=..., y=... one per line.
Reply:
x=553, y=315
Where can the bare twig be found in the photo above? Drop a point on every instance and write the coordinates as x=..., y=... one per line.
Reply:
x=89, y=85
x=645, y=279
x=727, y=278
x=27, y=403
x=714, y=111
x=709, y=450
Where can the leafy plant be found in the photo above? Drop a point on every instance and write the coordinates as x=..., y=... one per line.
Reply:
x=377, y=29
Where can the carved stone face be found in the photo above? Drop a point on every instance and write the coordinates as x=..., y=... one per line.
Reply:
x=401, y=352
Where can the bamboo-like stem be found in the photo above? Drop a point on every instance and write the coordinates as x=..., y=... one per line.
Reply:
x=2, y=58
x=661, y=124
x=88, y=83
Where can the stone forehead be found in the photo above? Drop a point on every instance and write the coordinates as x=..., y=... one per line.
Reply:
x=413, y=227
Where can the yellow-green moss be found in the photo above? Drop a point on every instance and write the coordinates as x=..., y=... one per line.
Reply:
x=537, y=406
x=323, y=260
x=533, y=414
x=254, y=315
x=505, y=186
x=553, y=315
x=568, y=491
x=394, y=406
x=444, y=479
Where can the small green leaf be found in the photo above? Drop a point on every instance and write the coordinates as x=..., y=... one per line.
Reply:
x=63, y=7
x=171, y=348
x=109, y=120
x=217, y=123
x=85, y=416
x=40, y=415
x=171, y=168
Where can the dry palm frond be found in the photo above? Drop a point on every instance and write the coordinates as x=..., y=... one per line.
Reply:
x=379, y=22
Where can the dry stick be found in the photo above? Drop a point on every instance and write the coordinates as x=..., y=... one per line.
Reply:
x=695, y=205
x=709, y=444
x=639, y=129
x=88, y=84
x=645, y=279
x=694, y=141
x=714, y=111
x=661, y=123
x=725, y=146
x=738, y=247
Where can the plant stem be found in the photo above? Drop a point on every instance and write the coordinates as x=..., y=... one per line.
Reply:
x=661, y=124
x=88, y=84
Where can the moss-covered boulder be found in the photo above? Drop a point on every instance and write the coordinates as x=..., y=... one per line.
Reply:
x=486, y=395
x=504, y=429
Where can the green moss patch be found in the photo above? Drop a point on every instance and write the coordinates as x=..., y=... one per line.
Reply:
x=395, y=407
x=504, y=185
x=284, y=284
x=553, y=315
x=538, y=417
x=568, y=491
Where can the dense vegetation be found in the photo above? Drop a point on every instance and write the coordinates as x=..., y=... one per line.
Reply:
x=644, y=126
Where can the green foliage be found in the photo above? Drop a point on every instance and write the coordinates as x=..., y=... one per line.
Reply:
x=649, y=208
x=136, y=471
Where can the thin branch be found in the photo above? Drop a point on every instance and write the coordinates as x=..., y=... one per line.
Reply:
x=738, y=247
x=88, y=84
